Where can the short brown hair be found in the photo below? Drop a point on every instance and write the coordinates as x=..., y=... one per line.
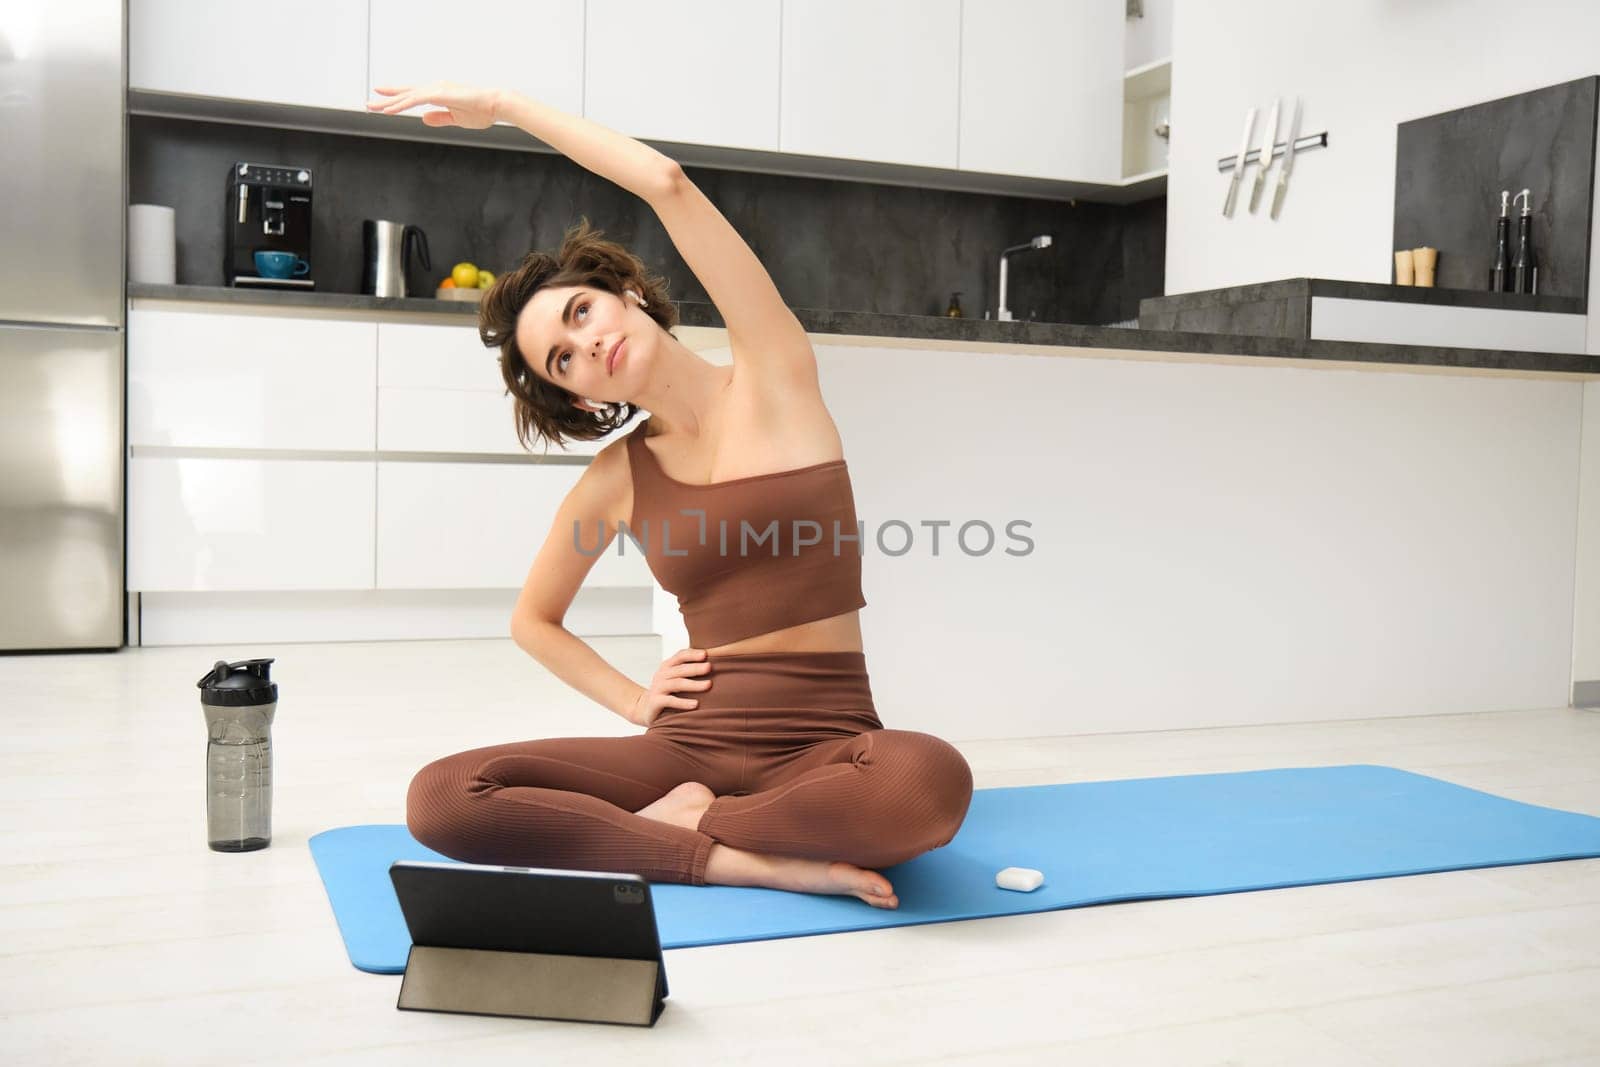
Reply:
x=544, y=409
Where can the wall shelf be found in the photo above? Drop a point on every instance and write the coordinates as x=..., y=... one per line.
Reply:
x=1150, y=80
x=1146, y=103
x=1150, y=184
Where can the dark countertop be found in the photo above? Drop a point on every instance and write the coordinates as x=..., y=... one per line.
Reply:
x=975, y=331
x=1283, y=310
x=1305, y=288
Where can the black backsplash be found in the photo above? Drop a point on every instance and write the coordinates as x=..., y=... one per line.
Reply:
x=1450, y=168
x=827, y=244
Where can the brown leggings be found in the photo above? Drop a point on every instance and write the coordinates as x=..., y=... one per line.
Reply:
x=788, y=741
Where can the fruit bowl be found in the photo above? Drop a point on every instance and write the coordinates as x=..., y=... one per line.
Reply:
x=473, y=295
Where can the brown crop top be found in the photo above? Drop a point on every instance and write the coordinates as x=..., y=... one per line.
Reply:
x=749, y=555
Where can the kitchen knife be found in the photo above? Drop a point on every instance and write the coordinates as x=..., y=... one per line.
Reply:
x=1288, y=160
x=1238, y=163
x=1266, y=156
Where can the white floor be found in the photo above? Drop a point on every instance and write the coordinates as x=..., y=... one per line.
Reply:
x=124, y=939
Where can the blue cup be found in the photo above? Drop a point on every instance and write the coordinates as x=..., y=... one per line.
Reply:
x=281, y=265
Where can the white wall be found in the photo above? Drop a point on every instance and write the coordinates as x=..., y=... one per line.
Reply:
x=1361, y=67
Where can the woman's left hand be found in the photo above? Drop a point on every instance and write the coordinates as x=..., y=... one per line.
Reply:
x=469, y=108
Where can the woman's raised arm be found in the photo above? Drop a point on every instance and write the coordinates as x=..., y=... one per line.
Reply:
x=770, y=348
x=634, y=165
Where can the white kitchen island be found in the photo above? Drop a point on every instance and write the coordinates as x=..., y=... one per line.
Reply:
x=1179, y=538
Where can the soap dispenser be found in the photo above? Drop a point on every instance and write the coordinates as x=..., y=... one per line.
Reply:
x=954, y=310
x=1500, y=273
x=1525, y=270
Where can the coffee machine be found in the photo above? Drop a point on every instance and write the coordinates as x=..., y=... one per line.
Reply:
x=269, y=210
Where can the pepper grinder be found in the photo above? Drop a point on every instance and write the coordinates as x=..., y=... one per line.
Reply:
x=1500, y=273
x=1525, y=271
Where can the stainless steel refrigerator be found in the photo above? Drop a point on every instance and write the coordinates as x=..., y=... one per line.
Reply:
x=63, y=162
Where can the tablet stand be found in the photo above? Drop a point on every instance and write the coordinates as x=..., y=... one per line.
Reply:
x=531, y=985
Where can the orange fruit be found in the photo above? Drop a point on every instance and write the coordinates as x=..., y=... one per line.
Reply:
x=448, y=283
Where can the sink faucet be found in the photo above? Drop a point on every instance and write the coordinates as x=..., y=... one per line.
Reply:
x=1042, y=241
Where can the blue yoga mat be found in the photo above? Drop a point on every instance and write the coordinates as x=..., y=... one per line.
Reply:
x=1096, y=842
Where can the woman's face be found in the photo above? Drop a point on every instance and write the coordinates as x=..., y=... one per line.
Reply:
x=567, y=337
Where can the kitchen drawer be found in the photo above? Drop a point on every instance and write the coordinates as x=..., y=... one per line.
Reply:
x=199, y=525
x=479, y=526
x=219, y=379
x=440, y=390
x=443, y=420
x=420, y=356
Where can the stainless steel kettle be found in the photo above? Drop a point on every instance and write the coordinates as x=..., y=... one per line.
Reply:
x=385, y=249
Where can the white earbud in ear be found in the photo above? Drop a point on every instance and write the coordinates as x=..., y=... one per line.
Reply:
x=637, y=299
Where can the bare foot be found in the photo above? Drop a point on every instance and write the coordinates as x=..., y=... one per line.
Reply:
x=838, y=878
x=683, y=806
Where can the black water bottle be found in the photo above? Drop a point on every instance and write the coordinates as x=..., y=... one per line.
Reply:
x=1524, y=270
x=239, y=701
x=1500, y=273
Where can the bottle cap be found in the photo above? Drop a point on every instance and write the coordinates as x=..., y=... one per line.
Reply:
x=237, y=685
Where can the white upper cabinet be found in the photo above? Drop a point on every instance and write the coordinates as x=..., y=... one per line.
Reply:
x=709, y=69
x=1031, y=88
x=306, y=52
x=1041, y=88
x=1148, y=38
x=534, y=47
x=875, y=79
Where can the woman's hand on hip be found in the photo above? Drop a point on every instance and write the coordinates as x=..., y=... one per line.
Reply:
x=464, y=106
x=672, y=676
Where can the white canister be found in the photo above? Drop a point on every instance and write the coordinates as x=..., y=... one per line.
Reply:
x=152, y=244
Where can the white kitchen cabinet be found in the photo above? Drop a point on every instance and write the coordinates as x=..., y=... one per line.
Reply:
x=1042, y=88
x=479, y=526
x=425, y=356
x=440, y=390
x=711, y=67
x=874, y=79
x=220, y=379
x=207, y=525
x=446, y=420
x=534, y=47
x=1148, y=38
x=306, y=52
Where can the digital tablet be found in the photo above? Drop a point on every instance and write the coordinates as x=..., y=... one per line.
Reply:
x=541, y=910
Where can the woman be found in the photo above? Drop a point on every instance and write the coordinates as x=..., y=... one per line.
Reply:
x=777, y=772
